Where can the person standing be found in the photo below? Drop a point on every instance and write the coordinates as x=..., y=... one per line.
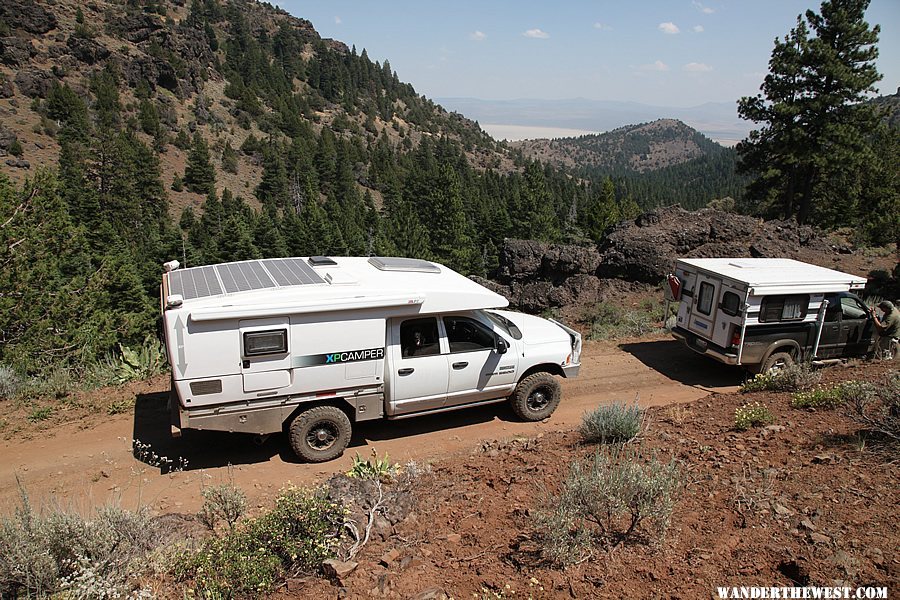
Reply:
x=888, y=327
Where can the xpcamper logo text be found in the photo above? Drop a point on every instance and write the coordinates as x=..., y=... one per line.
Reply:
x=336, y=358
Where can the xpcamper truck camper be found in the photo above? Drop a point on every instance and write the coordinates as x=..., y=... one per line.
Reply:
x=766, y=313
x=311, y=345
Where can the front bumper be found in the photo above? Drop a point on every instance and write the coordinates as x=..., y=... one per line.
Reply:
x=702, y=346
x=571, y=370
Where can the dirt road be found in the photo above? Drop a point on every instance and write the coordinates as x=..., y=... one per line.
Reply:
x=84, y=467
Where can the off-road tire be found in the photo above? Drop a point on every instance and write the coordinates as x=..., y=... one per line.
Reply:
x=320, y=433
x=536, y=397
x=776, y=362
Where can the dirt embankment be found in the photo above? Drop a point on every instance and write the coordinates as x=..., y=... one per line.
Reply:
x=807, y=500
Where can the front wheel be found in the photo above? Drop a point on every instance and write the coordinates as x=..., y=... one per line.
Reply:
x=536, y=397
x=320, y=433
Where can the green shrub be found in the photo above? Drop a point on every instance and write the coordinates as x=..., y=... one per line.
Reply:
x=40, y=413
x=373, y=468
x=611, y=424
x=224, y=502
x=43, y=554
x=609, y=320
x=15, y=148
x=793, y=378
x=607, y=500
x=829, y=397
x=302, y=531
x=750, y=415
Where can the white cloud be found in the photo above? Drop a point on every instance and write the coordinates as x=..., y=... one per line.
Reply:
x=695, y=67
x=536, y=34
x=656, y=65
x=337, y=21
x=670, y=28
x=602, y=26
x=478, y=36
x=704, y=9
x=698, y=29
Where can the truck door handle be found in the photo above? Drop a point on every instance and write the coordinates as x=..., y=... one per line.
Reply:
x=405, y=371
x=460, y=365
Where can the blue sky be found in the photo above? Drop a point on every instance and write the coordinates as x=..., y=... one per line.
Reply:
x=661, y=52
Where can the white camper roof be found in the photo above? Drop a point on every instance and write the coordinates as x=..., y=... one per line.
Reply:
x=778, y=275
x=278, y=286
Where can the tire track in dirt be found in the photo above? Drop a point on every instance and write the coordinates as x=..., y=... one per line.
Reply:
x=80, y=467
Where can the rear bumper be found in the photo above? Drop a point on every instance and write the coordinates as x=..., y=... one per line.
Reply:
x=705, y=347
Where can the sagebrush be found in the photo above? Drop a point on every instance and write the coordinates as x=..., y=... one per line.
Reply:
x=56, y=551
x=605, y=500
x=614, y=423
x=223, y=502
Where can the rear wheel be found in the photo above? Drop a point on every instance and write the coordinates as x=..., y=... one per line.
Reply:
x=536, y=397
x=320, y=433
x=776, y=362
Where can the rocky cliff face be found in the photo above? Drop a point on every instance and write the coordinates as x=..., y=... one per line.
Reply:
x=536, y=276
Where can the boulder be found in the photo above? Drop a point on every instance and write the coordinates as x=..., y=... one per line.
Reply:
x=87, y=50
x=16, y=51
x=27, y=15
x=646, y=248
x=34, y=83
x=7, y=137
x=6, y=88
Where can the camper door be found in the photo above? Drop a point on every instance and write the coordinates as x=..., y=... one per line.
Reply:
x=704, y=306
x=265, y=355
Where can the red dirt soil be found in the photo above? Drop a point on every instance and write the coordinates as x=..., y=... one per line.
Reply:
x=803, y=499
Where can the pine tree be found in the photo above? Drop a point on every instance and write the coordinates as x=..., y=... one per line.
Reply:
x=816, y=130
x=199, y=174
x=600, y=212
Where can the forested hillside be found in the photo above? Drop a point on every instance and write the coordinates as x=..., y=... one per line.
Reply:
x=140, y=132
x=658, y=164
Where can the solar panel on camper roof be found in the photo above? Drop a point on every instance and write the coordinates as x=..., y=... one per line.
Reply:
x=200, y=282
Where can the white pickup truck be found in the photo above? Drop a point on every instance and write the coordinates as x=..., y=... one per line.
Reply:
x=311, y=345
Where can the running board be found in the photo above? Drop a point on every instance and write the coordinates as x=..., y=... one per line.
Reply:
x=826, y=361
x=446, y=409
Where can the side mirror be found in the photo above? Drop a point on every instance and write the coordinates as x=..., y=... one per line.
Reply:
x=501, y=346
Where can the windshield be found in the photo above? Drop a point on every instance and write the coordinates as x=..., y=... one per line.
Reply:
x=505, y=324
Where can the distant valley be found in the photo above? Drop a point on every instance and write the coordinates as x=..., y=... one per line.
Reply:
x=531, y=119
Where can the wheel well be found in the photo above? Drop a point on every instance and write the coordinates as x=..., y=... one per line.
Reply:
x=304, y=406
x=551, y=368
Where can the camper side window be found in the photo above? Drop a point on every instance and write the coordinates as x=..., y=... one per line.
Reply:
x=257, y=343
x=731, y=304
x=783, y=308
x=705, y=299
x=419, y=337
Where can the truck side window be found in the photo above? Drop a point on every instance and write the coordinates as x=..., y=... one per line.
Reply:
x=783, y=308
x=419, y=337
x=852, y=309
x=467, y=335
x=731, y=304
x=705, y=299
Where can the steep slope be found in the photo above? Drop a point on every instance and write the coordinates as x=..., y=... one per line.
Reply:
x=228, y=70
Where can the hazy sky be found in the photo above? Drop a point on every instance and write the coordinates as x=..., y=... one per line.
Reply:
x=663, y=52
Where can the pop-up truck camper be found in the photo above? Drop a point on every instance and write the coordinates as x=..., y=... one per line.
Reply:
x=766, y=313
x=310, y=346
